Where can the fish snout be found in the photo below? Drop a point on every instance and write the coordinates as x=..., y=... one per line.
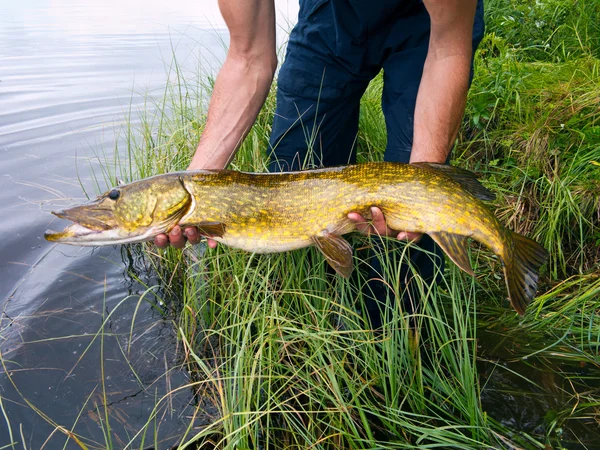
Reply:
x=90, y=216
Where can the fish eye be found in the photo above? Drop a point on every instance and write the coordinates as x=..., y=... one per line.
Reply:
x=114, y=194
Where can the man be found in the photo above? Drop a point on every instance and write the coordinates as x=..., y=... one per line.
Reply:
x=425, y=49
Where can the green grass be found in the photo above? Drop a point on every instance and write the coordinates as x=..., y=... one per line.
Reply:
x=283, y=352
x=290, y=362
x=546, y=30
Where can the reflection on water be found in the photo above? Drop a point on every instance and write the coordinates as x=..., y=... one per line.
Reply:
x=70, y=72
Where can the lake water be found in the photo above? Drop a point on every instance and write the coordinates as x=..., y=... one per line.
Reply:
x=70, y=71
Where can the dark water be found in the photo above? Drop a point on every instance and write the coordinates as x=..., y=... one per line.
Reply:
x=69, y=73
x=533, y=395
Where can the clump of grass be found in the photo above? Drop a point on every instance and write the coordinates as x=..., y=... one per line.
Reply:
x=294, y=363
x=532, y=128
x=546, y=30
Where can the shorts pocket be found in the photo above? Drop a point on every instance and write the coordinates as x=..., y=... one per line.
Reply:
x=313, y=82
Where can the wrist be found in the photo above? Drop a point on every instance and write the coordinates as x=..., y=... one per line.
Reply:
x=438, y=157
x=205, y=159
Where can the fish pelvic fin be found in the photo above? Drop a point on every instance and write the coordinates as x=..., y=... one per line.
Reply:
x=455, y=246
x=522, y=272
x=211, y=229
x=467, y=179
x=337, y=252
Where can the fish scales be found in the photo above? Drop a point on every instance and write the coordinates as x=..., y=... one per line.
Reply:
x=273, y=212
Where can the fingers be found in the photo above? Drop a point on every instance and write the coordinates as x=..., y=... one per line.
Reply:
x=362, y=225
x=178, y=237
x=192, y=235
x=161, y=241
x=378, y=222
x=378, y=225
x=409, y=236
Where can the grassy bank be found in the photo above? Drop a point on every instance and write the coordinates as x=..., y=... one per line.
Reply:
x=283, y=351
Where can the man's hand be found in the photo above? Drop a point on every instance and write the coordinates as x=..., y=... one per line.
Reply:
x=378, y=225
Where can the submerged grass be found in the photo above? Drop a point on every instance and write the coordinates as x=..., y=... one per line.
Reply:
x=281, y=352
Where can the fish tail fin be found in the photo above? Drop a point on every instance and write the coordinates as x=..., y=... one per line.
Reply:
x=522, y=271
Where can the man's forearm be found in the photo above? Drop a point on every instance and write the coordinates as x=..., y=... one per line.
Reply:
x=440, y=108
x=239, y=92
x=443, y=90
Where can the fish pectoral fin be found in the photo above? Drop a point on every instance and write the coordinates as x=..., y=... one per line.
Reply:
x=455, y=246
x=337, y=252
x=211, y=229
x=465, y=178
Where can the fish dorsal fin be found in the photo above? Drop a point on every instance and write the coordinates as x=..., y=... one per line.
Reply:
x=337, y=252
x=455, y=246
x=465, y=178
x=211, y=229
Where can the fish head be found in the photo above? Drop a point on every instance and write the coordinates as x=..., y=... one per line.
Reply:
x=130, y=213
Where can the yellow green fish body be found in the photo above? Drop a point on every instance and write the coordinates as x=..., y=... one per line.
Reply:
x=274, y=212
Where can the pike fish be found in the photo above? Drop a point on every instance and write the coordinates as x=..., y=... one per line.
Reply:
x=276, y=212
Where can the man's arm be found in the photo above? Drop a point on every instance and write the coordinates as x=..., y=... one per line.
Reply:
x=441, y=98
x=443, y=90
x=243, y=82
x=240, y=90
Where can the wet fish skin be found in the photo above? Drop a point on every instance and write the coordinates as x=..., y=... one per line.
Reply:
x=274, y=212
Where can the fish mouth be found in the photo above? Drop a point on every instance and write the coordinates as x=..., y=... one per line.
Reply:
x=80, y=235
x=70, y=233
x=93, y=225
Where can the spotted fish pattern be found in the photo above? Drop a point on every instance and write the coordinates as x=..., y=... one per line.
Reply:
x=275, y=212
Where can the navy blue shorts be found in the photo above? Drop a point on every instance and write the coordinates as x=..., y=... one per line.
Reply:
x=334, y=51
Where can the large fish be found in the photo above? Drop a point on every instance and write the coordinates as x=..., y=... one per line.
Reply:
x=275, y=212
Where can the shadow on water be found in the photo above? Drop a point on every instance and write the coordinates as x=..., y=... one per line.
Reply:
x=98, y=357
x=541, y=393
